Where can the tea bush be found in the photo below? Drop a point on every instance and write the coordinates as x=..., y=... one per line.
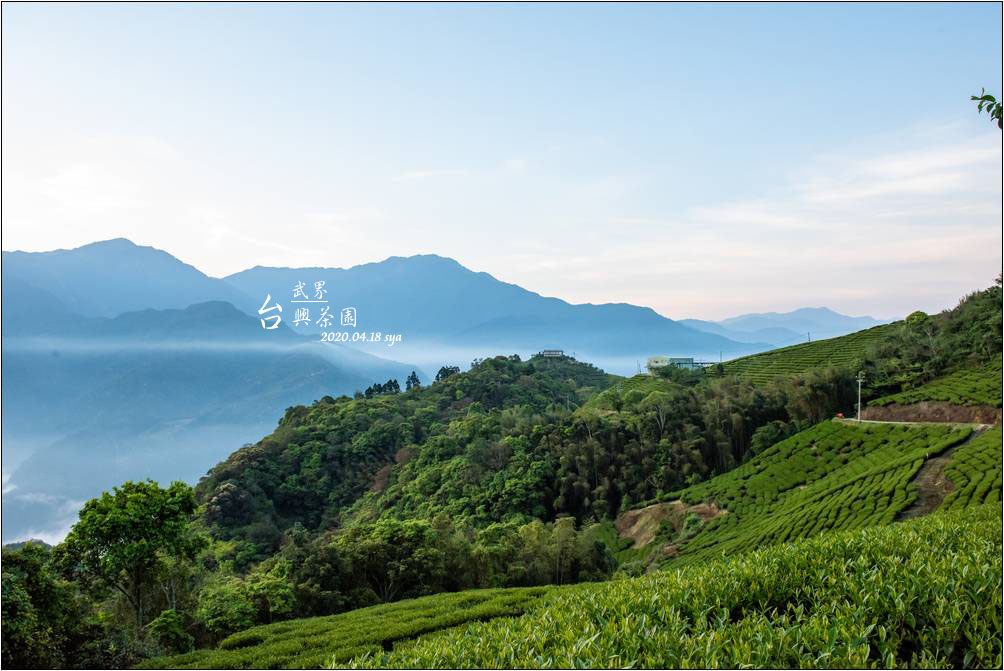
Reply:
x=925, y=593
x=312, y=642
x=975, y=470
x=836, y=475
x=846, y=350
x=981, y=386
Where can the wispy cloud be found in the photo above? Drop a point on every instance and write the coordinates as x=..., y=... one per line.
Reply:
x=428, y=174
x=923, y=172
x=886, y=230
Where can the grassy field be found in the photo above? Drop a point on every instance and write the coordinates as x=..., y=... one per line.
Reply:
x=981, y=386
x=925, y=593
x=313, y=642
x=785, y=361
x=834, y=476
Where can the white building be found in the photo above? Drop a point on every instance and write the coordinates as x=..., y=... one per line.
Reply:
x=678, y=361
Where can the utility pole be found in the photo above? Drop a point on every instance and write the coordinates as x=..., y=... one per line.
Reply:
x=860, y=378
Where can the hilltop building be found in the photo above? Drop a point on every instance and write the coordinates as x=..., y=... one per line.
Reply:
x=687, y=363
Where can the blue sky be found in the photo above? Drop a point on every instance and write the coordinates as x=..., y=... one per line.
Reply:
x=705, y=160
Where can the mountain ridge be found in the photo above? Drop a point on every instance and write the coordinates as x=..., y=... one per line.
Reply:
x=153, y=393
x=453, y=287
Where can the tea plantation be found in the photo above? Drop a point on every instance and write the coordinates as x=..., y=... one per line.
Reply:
x=981, y=386
x=804, y=569
x=312, y=642
x=925, y=593
x=975, y=470
x=841, y=351
x=836, y=475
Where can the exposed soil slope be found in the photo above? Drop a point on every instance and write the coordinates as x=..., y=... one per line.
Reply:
x=933, y=411
x=642, y=525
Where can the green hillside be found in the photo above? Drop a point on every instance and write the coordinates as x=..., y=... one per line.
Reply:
x=400, y=451
x=834, y=490
x=834, y=476
x=975, y=471
x=313, y=642
x=872, y=597
x=848, y=350
x=970, y=386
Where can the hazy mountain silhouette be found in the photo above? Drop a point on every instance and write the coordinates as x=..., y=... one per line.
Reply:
x=163, y=394
x=444, y=312
x=784, y=328
x=440, y=306
x=122, y=362
x=819, y=322
x=105, y=279
x=777, y=335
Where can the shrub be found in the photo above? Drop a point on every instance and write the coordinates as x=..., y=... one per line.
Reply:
x=168, y=630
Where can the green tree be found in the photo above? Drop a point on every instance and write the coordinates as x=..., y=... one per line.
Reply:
x=225, y=607
x=446, y=371
x=563, y=537
x=44, y=618
x=122, y=538
x=168, y=630
x=272, y=593
x=395, y=559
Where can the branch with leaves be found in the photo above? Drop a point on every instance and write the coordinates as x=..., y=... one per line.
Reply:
x=991, y=105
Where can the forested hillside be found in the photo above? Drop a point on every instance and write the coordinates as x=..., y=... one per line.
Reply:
x=505, y=442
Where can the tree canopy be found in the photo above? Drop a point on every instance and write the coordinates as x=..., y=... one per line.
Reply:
x=123, y=537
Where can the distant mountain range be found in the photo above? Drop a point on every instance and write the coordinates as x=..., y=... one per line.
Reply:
x=122, y=362
x=446, y=312
x=105, y=279
x=785, y=328
x=90, y=401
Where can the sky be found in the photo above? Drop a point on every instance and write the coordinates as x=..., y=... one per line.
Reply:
x=704, y=160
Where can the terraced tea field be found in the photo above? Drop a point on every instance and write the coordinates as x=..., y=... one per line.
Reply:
x=975, y=470
x=980, y=386
x=841, y=351
x=921, y=594
x=834, y=476
x=313, y=642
